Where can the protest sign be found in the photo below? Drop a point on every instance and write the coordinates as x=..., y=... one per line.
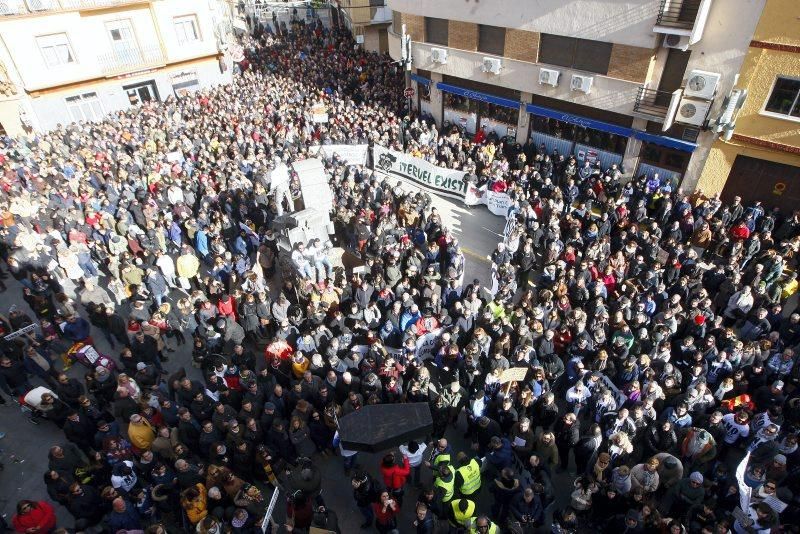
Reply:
x=514, y=374
x=445, y=182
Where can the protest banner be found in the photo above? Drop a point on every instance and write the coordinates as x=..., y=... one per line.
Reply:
x=350, y=154
x=445, y=182
x=498, y=203
x=426, y=344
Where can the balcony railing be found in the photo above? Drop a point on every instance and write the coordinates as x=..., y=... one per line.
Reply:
x=131, y=60
x=680, y=14
x=652, y=103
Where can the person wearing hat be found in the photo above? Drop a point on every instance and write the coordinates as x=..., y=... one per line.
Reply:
x=687, y=493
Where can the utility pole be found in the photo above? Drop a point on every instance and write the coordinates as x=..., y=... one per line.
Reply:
x=405, y=55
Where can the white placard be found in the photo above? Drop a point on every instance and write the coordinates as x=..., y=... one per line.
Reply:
x=439, y=180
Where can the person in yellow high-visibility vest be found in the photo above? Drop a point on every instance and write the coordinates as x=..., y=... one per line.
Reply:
x=444, y=486
x=483, y=525
x=460, y=512
x=468, y=475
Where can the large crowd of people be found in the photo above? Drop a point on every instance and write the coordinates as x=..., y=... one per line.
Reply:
x=660, y=381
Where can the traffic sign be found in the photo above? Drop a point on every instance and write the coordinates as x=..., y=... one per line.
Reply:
x=409, y=92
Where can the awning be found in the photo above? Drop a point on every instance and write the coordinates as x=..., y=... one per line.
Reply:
x=661, y=140
x=419, y=79
x=669, y=142
x=476, y=95
x=578, y=120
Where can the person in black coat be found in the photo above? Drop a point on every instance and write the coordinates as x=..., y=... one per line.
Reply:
x=69, y=390
x=567, y=432
x=85, y=505
x=586, y=447
x=80, y=430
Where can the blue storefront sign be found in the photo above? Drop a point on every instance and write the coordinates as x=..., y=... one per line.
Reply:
x=476, y=95
x=419, y=79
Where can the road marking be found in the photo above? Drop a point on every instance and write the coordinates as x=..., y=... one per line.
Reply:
x=471, y=253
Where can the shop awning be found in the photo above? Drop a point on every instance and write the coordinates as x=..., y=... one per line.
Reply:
x=669, y=142
x=661, y=140
x=419, y=79
x=476, y=95
x=578, y=120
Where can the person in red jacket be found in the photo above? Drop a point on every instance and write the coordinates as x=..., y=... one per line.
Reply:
x=394, y=475
x=34, y=517
x=386, y=511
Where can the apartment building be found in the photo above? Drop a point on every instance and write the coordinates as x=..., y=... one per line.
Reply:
x=367, y=20
x=78, y=60
x=757, y=155
x=632, y=82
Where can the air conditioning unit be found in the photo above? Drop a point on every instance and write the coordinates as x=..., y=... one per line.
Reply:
x=692, y=111
x=39, y=5
x=9, y=7
x=439, y=55
x=681, y=42
x=492, y=65
x=549, y=77
x=581, y=83
x=701, y=84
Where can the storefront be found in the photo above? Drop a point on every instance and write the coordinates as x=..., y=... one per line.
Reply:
x=666, y=156
x=593, y=140
x=423, y=80
x=575, y=135
x=469, y=106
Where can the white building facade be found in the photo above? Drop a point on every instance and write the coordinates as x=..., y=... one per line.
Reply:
x=634, y=82
x=78, y=60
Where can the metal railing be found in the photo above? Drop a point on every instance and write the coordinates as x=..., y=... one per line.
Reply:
x=652, y=103
x=130, y=60
x=678, y=13
x=90, y=4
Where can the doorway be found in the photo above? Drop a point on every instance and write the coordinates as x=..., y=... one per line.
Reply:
x=142, y=92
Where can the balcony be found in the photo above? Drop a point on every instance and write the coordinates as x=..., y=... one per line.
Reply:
x=678, y=13
x=132, y=60
x=27, y=7
x=685, y=18
x=652, y=104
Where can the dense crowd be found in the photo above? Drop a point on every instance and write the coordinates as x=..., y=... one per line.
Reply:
x=661, y=386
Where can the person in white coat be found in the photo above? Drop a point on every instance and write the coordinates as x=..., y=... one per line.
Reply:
x=166, y=265
x=739, y=304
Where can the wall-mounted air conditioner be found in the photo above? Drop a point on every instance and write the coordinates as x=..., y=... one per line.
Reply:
x=549, y=77
x=439, y=55
x=691, y=111
x=681, y=42
x=581, y=83
x=492, y=65
x=701, y=84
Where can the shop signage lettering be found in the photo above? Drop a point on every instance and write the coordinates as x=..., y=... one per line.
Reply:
x=574, y=119
x=446, y=182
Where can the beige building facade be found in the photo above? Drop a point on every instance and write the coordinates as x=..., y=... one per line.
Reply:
x=614, y=82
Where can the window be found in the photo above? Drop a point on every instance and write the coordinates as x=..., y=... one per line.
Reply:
x=397, y=22
x=55, y=49
x=491, y=40
x=785, y=98
x=436, y=31
x=85, y=107
x=580, y=54
x=123, y=41
x=186, y=28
